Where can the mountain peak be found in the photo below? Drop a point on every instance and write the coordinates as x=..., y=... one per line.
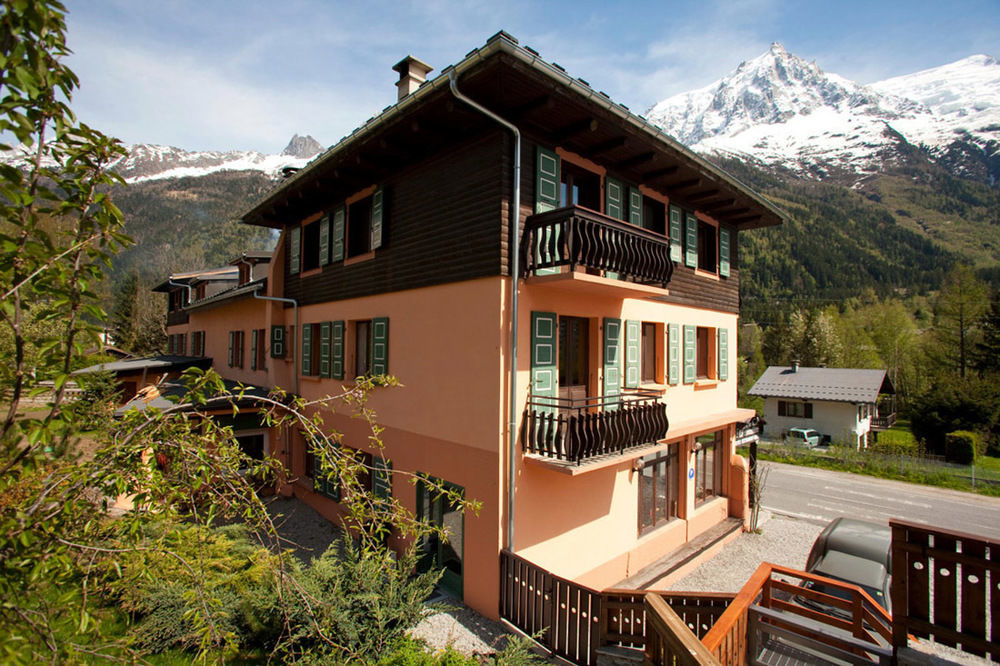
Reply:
x=302, y=146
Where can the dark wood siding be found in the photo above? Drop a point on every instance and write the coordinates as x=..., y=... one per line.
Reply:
x=443, y=224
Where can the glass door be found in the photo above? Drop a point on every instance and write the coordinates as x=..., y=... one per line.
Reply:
x=444, y=513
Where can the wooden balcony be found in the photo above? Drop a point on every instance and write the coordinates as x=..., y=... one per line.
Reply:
x=581, y=430
x=885, y=412
x=578, y=237
x=177, y=317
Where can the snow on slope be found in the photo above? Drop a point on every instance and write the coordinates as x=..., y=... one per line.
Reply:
x=153, y=162
x=785, y=111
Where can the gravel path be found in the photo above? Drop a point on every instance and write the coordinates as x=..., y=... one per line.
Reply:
x=783, y=541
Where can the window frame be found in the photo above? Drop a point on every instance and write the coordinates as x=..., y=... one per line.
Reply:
x=706, y=352
x=700, y=450
x=263, y=347
x=236, y=360
x=651, y=352
x=670, y=511
x=795, y=409
x=708, y=248
x=356, y=327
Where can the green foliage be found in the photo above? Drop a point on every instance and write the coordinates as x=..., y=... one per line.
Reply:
x=136, y=318
x=961, y=447
x=957, y=312
x=410, y=652
x=99, y=395
x=951, y=403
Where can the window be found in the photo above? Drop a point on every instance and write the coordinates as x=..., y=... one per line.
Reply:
x=245, y=273
x=650, y=359
x=359, y=227
x=654, y=215
x=310, y=349
x=658, y=490
x=362, y=348
x=252, y=445
x=177, y=344
x=310, y=246
x=801, y=410
x=198, y=343
x=707, y=467
x=177, y=300
x=235, y=349
x=579, y=187
x=258, y=349
x=706, y=247
x=574, y=350
x=706, y=352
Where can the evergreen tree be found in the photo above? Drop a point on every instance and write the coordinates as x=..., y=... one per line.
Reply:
x=957, y=313
x=987, y=354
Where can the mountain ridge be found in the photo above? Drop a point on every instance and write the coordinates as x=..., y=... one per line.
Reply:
x=786, y=112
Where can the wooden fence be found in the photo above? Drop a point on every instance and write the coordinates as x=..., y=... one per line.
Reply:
x=945, y=584
x=574, y=621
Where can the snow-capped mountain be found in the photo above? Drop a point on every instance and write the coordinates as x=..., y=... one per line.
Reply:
x=152, y=162
x=784, y=111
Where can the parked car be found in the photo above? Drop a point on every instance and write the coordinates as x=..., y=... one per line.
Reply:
x=803, y=437
x=853, y=551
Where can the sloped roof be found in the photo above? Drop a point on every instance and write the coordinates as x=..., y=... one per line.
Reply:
x=163, y=363
x=230, y=294
x=834, y=384
x=221, y=274
x=169, y=394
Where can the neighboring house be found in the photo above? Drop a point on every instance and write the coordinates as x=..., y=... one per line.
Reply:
x=135, y=374
x=610, y=442
x=848, y=405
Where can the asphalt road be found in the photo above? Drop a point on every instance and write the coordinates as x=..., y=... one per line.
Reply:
x=820, y=495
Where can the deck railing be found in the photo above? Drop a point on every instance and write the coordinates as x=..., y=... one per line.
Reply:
x=575, y=236
x=945, y=584
x=574, y=620
x=578, y=430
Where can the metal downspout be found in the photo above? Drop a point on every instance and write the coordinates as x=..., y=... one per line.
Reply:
x=170, y=281
x=295, y=370
x=514, y=267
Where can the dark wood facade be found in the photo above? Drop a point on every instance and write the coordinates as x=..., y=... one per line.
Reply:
x=443, y=224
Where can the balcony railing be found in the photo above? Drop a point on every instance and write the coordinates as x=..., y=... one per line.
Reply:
x=578, y=237
x=885, y=413
x=578, y=430
x=176, y=317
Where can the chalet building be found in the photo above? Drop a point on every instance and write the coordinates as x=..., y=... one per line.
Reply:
x=554, y=281
x=846, y=405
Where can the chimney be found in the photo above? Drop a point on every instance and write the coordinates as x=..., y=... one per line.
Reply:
x=412, y=72
x=795, y=365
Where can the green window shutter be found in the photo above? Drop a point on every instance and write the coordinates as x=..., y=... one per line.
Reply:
x=307, y=368
x=691, y=256
x=294, y=250
x=614, y=204
x=378, y=214
x=382, y=479
x=337, y=349
x=723, y=252
x=324, y=349
x=253, y=349
x=232, y=338
x=277, y=342
x=337, y=235
x=632, y=329
x=723, y=353
x=612, y=361
x=380, y=345
x=324, y=240
x=676, y=234
x=690, y=354
x=674, y=355
x=547, y=183
x=634, y=206
x=544, y=369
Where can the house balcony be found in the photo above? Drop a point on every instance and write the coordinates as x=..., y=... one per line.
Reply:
x=581, y=238
x=177, y=317
x=885, y=414
x=581, y=430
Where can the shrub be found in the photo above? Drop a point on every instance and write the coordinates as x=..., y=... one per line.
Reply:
x=962, y=446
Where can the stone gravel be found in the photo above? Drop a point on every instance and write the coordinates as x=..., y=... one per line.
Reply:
x=781, y=540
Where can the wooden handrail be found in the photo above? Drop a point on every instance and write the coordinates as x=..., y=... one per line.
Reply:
x=738, y=608
x=683, y=644
x=954, y=534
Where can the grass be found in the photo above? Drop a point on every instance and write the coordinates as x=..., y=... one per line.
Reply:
x=983, y=478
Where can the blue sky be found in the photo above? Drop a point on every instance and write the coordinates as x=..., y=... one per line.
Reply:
x=222, y=75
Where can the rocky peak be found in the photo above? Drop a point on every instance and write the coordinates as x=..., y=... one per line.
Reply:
x=303, y=146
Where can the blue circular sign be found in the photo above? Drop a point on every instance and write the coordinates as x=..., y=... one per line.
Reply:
x=691, y=473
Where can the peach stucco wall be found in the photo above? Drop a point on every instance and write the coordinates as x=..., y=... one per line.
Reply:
x=242, y=314
x=586, y=526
